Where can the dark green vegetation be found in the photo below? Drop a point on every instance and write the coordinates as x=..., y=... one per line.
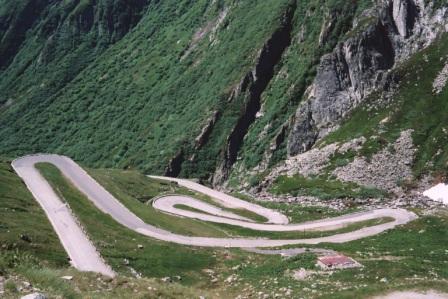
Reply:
x=133, y=83
x=323, y=188
x=414, y=106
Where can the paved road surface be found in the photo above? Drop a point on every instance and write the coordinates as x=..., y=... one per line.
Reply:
x=168, y=204
x=229, y=201
x=77, y=245
x=82, y=253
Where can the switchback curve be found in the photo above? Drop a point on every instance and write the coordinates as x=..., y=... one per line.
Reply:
x=69, y=231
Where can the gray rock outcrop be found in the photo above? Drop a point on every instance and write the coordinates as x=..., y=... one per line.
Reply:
x=381, y=37
x=404, y=14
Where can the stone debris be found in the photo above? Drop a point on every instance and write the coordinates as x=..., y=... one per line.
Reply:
x=302, y=274
x=385, y=169
x=135, y=273
x=231, y=279
x=441, y=80
x=166, y=279
x=212, y=275
x=313, y=161
x=430, y=294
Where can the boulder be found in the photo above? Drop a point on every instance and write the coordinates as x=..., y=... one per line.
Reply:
x=35, y=296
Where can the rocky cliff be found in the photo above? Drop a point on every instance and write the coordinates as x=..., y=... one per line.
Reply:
x=380, y=39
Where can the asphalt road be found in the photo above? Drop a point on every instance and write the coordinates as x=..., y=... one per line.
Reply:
x=81, y=251
x=84, y=256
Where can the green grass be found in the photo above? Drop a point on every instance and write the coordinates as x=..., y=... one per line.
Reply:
x=413, y=256
x=24, y=227
x=240, y=212
x=116, y=243
x=298, y=213
x=130, y=185
x=322, y=188
x=421, y=248
x=191, y=209
x=250, y=215
x=188, y=226
x=245, y=232
x=127, y=186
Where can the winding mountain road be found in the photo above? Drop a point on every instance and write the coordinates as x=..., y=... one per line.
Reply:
x=84, y=256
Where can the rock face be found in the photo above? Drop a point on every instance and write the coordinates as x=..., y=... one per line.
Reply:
x=361, y=64
x=202, y=138
x=404, y=14
x=175, y=165
x=251, y=88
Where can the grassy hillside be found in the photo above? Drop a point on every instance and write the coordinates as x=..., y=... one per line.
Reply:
x=138, y=93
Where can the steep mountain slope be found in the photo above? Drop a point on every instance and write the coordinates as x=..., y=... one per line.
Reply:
x=208, y=89
x=149, y=96
x=378, y=67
